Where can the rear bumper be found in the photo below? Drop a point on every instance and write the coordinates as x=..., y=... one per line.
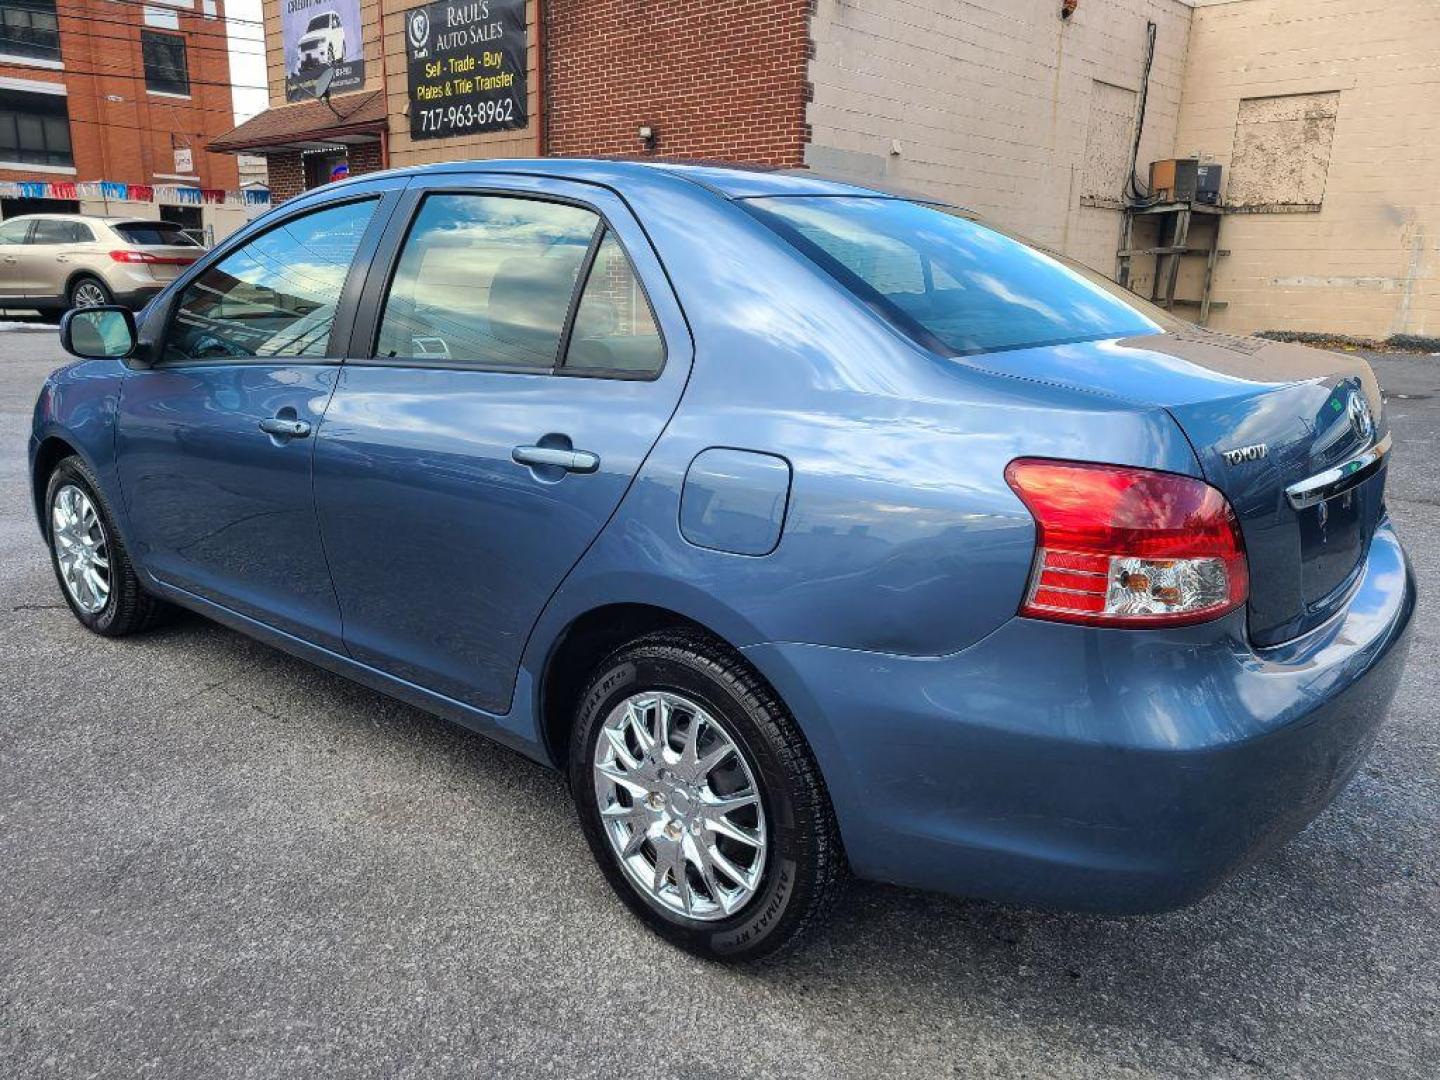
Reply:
x=138, y=297
x=1081, y=769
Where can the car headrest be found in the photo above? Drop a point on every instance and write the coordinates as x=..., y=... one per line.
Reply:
x=529, y=297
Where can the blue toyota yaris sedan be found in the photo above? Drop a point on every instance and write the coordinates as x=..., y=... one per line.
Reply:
x=805, y=527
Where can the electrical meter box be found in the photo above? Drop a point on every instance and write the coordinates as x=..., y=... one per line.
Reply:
x=1185, y=180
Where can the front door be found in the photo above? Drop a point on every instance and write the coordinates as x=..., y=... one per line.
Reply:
x=216, y=440
x=488, y=421
x=53, y=252
x=13, y=235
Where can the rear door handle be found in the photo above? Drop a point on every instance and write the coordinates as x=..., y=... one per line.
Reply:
x=578, y=461
x=285, y=429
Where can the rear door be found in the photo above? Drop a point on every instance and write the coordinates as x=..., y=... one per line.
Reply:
x=216, y=439
x=522, y=355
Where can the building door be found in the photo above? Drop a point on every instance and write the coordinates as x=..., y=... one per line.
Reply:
x=189, y=218
x=321, y=168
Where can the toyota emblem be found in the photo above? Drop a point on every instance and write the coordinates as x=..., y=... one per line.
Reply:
x=1361, y=421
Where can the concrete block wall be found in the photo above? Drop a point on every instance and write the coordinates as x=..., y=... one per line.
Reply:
x=989, y=104
x=1368, y=262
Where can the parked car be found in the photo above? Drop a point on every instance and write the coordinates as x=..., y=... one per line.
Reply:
x=802, y=526
x=54, y=262
x=322, y=44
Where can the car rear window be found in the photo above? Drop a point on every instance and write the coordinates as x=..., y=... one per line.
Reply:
x=155, y=234
x=950, y=283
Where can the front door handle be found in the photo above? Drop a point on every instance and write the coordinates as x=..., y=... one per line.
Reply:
x=285, y=429
x=579, y=461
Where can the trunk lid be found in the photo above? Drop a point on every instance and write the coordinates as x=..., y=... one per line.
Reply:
x=174, y=259
x=1263, y=417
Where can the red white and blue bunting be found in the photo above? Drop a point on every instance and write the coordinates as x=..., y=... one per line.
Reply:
x=171, y=194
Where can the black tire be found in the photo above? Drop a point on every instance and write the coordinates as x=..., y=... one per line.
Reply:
x=129, y=608
x=804, y=865
x=88, y=279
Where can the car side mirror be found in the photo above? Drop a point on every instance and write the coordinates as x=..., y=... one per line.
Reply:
x=99, y=333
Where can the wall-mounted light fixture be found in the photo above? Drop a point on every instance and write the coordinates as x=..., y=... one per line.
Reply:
x=648, y=136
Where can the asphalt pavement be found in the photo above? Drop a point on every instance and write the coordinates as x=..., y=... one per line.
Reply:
x=217, y=861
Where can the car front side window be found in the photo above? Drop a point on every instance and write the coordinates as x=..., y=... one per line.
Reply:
x=485, y=280
x=276, y=295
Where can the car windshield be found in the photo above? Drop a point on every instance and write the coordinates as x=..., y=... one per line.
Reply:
x=155, y=233
x=953, y=285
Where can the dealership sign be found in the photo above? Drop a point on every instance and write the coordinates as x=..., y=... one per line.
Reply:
x=467, y=61
x=321, y=36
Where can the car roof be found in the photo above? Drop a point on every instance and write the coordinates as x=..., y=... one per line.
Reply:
x=102, y=218
x=730, y=180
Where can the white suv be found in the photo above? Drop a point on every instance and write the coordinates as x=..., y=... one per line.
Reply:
x=323, y=43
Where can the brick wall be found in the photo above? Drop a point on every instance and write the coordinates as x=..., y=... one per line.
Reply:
x=364, y=158
x=998, y=105
x=118, y=129
x=287, y=175
x=722, y=81
x=1348, y=92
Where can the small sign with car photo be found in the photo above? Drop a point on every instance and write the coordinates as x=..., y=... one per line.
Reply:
x=321, y=36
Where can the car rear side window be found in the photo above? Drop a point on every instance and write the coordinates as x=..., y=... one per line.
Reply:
x=275, y=295
x=950, y=283
x=485, y=280
x=614, y=329
x=155, y=234
x=61, y=232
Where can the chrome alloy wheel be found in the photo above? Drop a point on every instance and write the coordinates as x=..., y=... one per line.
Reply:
x=680, y=805
x=88, y=294
x=81, y=548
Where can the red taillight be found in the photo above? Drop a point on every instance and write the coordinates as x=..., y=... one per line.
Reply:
x=131, y=256
x=1118, y=546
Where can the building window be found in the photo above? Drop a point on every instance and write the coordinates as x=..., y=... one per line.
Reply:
x=34, y=128
x=28, y=28
x=1281, y=160
x=165, y=69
